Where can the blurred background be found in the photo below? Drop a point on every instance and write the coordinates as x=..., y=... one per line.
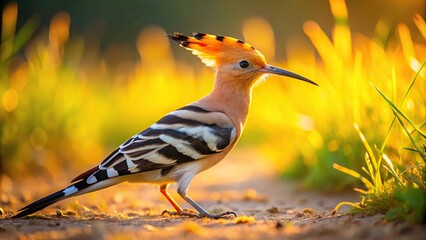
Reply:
x=114, y=26
x=77, y=78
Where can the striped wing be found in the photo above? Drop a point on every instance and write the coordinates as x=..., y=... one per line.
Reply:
x=187, y=134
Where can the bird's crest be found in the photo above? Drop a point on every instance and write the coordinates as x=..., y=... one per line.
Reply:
x=214, y=50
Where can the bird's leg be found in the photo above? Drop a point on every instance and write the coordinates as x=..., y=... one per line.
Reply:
x=163, y=190
x=179, y=210
x=203, y=213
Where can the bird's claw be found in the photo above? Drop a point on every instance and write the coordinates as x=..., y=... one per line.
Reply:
x=223, y=215
x=192, y=213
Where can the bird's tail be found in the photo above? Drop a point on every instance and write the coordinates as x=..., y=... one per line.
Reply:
x=51, y=199
x=74, y=189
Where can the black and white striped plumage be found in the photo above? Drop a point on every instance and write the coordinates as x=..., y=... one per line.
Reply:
x=180, y=138
x=183, y=136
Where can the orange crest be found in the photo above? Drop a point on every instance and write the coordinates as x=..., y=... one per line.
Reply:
x=215, y=50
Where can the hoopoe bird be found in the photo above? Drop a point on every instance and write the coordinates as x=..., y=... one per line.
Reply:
x=190, y=139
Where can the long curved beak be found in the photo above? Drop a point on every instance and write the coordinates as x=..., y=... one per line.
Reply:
x=279, y=71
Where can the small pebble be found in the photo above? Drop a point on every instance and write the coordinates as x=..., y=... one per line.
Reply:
x=70, y=213
x=308, y=210
x=272, y=210
x=300, y=215
x=279, y=225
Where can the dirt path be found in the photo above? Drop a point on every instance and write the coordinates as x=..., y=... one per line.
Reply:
x=267, y=207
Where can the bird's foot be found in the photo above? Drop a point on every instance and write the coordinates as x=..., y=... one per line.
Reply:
x=225, y=215
x=184, y=212
x=192, y=213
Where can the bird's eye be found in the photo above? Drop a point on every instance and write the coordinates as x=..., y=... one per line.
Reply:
x=244, y=64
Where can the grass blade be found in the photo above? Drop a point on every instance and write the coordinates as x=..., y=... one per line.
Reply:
x=410, y=149
x=399, y=112
x=419, y=150
x=391, y=169
x=354, y=174
x=412, y=83
x=370, y=159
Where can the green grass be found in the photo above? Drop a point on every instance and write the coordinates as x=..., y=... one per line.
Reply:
x=397, y=191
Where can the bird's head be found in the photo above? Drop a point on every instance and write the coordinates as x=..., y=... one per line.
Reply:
x=231, y=57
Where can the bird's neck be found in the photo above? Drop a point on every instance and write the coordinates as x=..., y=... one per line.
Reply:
x=232, y=99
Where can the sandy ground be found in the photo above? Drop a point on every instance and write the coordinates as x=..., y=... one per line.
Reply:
x=267, y=208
